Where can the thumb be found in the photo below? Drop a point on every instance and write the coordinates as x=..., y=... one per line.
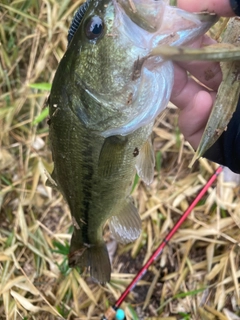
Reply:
x=220, y=7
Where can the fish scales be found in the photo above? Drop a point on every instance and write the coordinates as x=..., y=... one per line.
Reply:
x=88, y=191
x=105, y=96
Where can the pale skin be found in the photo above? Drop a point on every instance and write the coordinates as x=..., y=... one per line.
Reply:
x=193, y=100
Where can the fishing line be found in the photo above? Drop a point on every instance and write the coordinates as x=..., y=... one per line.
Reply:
x=114, y=311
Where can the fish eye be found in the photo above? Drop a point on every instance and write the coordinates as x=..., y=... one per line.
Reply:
x=94, y=27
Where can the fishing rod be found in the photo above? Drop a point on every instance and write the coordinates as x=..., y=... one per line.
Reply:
x=117, y=313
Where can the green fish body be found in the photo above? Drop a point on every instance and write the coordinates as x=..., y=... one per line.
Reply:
x=105, y=95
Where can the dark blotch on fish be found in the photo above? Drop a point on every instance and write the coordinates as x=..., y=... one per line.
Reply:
x=137, y=67
x=135, y=152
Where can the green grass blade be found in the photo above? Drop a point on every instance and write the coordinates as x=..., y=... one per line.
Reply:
x=43, y=115
x=41, y=86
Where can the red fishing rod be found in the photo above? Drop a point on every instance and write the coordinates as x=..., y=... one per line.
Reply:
x=112, y=312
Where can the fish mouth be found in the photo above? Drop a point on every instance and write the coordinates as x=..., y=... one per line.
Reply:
x=139, y=20
x=137, y=26
x=148, y=23
x=147, y=14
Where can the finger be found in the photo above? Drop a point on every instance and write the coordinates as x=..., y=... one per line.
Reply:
x=220, y=7
x=194, y=103
x=184, y=88
x=193, y=119
x=208, y=73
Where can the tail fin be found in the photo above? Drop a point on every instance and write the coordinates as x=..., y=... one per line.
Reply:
x=94, y=256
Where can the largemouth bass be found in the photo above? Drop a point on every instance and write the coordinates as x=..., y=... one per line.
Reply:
x=105, y=95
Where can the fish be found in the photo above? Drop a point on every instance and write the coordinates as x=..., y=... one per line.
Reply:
x=106, y=93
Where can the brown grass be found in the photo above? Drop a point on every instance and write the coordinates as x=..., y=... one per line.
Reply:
x=196, y=277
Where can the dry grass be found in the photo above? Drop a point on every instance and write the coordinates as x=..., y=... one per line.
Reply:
x=197, y=276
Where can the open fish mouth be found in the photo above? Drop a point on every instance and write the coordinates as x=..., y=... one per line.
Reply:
x=149, y=23
x=145, y=14
x=136, y=27
x=146, y=24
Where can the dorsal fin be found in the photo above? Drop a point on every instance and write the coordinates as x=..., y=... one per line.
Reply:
x=77, y=20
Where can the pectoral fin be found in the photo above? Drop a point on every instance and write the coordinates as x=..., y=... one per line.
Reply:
x=146, y=162
x=126, y=226
x=110, y=159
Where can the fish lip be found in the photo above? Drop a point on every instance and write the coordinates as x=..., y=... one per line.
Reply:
x=126, y=25
x=147, y=14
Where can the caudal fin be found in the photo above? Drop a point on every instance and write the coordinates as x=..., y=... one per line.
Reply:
x=93, y=256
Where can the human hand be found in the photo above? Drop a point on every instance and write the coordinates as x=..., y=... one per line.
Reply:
x=193, y=99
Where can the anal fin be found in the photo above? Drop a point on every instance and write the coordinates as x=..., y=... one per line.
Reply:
x=126, y=226
x=146, y=162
